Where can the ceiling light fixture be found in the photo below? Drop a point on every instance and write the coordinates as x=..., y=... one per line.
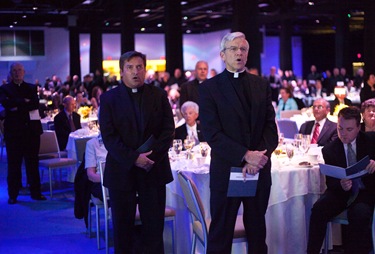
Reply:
x=159, y=25
x=143, y=15
x=143, y=29
x=263, y=5
x=88, y=1
x=184, y=2
x=147, y=10
x=311, y=3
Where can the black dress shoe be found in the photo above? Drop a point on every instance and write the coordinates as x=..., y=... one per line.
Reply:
x=39, y=197
x=12, y=201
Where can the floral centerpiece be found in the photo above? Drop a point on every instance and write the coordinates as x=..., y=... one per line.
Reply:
x=338, y=108
x=84, y=111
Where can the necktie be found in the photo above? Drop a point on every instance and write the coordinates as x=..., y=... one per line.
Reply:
x=315, y=136
x=71, y=123
x=356, y=183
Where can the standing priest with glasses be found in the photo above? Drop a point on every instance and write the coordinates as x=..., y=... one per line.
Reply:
x=238, y=122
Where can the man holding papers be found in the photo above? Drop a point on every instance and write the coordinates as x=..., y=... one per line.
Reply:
x=357, y=195
x=137, y=127
x=238, y=122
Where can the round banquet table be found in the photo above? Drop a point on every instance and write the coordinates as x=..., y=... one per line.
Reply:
x=294, y=190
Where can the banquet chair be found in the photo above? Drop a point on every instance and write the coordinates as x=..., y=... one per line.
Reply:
x=342, y=218
x=200, y=225
x=94, y=201
x=80, y=145
x=286, y=114
x=288, y=127
x=47, y=148
x=48, y=138
x=169, y=214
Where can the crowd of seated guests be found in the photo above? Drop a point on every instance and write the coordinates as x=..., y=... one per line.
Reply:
x=320, y=85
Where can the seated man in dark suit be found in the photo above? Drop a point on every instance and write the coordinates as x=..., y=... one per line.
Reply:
x=190, y=111
x=321, y=130
x=66, y=121
x=355, y=195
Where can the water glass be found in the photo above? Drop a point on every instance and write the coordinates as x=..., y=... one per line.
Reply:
x=177, y=146
x=289, y=152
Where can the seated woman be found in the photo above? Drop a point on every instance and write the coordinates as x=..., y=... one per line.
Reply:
x=95, y=97
x=368, y=115
x=95, y=151
x=286, y=101
x=190, y=112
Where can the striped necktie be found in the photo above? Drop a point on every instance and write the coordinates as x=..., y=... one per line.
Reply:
x=315, y=136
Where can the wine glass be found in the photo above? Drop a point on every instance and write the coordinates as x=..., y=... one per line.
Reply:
x=305, y=144
x=204, y=151
x=289, y=152
x=188, y=144
x=191, y=139
x=177, y=146
x=297, y=141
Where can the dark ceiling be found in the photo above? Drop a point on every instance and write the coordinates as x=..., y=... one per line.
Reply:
x=198, y=16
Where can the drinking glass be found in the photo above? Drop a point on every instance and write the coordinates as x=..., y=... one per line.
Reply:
x=297, y=141
x=305, y=144
x=177, y=146
x=188, y=144
x=204, y=151
x=289, y=152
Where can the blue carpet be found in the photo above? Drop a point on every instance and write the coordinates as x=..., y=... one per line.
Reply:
x=42, y=227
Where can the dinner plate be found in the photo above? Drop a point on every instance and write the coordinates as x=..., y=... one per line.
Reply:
x=304, y=166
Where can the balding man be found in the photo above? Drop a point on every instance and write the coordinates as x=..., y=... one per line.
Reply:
x=66, y=121
x=321, y=130
x=22, y=130
x=189, y=90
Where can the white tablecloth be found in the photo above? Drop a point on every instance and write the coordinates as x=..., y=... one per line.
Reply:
x=293, y=192
x=71, y=147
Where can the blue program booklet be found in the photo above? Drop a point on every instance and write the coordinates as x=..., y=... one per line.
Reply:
x=147, y=145
x=240, y=187
x=354, y=171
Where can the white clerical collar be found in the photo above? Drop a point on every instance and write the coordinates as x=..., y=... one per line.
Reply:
x=236, y=74
x=134, y=90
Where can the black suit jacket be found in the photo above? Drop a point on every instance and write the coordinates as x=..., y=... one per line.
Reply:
x=121, y=136
x=181, y=133
x=62, y=127
x=231, y=128
x=334, y=154
x=327, y=133
x=189, y=92
x=17, y=117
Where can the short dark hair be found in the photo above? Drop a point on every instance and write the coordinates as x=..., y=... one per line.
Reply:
x=129, y=55
x=351, y=112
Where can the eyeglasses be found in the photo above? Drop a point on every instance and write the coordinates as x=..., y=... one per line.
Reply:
x=318, y=107
x=234, y=49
